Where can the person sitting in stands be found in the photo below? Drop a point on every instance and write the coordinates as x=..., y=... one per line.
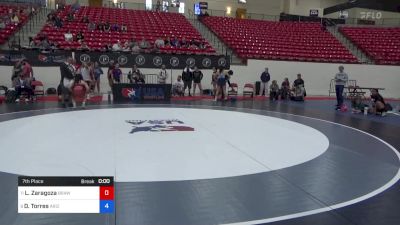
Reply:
x=116, y=74
x=132, y=43
x=15, y=19
x=68, y=36
x=92, y=26
x=115, y=27
x=44, y=44
x=84, y=46
x=167, y=42
x=100, y=26
x=159, y=43
x=135, y=48
x=274, y=91
x=85, y=19
x=124, y=28
x=80, y=37
x=194, y=42
x=31, y=43
x=175, y=42
x=184, y=43
x=107, y=27
x=126, y=47
x=79, y=91
x=2, y=24
x=58, y=22
x=107, y=47
x=117, y=46
x=177, y=88
x=378, y=103
x=144, y=44
x=70, y=17
x=75, y=6
x=285, y=89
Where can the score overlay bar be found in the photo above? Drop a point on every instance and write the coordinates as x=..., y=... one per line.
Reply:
x=65, y=194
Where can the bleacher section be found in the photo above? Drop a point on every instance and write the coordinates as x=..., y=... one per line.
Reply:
x=381, y=44
x=5, y=12
x=140, y=24
x=298, y=41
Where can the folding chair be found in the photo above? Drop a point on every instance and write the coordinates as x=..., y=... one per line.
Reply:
x=248, y=90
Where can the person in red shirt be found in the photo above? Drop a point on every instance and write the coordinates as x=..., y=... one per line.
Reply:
x=27, y=71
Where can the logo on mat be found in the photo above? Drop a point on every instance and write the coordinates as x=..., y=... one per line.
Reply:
x=158, y=125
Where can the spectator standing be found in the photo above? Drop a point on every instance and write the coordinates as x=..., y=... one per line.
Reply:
x=85, y=72
x=97, y=75
x=197, y=77
x=265, y=78
x=341, y=79
x=214, y=78
x=221, y=85
x=163, y=75
x=110, y=73
x=187, y=77
x=116, y=74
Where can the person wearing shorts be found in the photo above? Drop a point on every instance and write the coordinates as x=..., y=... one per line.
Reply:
x=97, y=74
x=221, y=85
x=197, y=77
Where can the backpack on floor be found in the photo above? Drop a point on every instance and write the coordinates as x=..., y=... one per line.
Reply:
x=11, y=96
x=51, y=91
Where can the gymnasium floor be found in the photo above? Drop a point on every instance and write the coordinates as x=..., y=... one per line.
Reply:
x=204, y=162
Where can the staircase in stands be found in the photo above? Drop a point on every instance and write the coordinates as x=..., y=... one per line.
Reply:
x=361, y=56
x=30, y=29
x=215, y=42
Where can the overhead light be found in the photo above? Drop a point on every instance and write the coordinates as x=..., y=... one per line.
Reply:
x=228, y=10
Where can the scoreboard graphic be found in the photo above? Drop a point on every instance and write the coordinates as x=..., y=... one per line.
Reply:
x=66, y=195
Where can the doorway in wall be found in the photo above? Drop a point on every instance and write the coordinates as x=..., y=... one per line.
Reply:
x=96, y=3
x=241, y=13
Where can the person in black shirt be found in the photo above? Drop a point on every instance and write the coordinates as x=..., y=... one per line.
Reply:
x=298, y=81
x=67, y=70
x=135, y=76
x=197, y=77
x=80, y=37
x=378, y=103
x=187, y=77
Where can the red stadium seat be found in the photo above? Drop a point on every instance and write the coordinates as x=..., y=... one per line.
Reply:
x=297, y=41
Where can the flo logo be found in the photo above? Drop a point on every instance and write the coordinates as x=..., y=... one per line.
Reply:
x=158, y=125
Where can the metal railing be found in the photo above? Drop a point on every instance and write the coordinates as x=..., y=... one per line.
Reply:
x=149, y=78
